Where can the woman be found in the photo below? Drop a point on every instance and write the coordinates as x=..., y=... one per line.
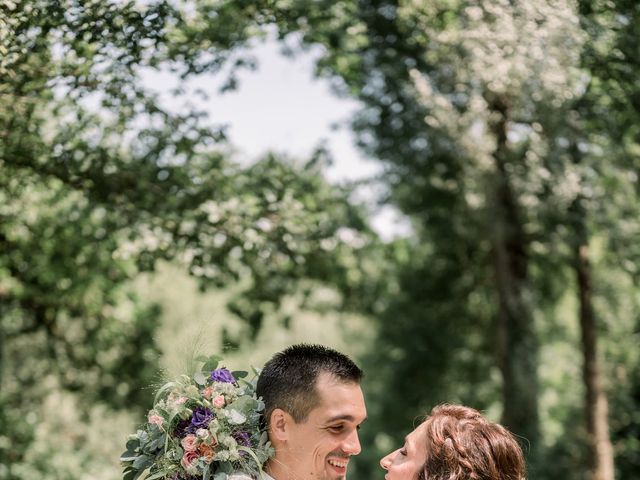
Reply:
x=456, y=443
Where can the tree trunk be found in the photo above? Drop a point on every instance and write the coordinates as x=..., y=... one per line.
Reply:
x=518, y=349
x=596, y=405
x=517, y=342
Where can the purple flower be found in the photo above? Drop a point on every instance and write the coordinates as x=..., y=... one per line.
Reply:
x=222, y=375
x=242, y=438
x=184, y=428
x=201, y=418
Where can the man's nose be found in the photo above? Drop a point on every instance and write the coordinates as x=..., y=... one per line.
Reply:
x=351, y=444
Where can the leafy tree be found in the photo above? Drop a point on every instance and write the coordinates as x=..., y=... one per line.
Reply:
x=100, y=182
x=482, y=114
x=608, y=117
x=509, y=135
x=455, y=122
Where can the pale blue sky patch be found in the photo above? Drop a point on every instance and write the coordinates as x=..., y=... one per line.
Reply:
x=282, y=107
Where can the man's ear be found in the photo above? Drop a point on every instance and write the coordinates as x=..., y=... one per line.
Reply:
x=278, y=425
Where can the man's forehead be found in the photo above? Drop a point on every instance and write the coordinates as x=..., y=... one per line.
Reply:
x=329, y=380
x=353, y=413
x=339, y=400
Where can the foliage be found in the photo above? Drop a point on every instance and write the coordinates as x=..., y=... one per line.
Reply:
x=455, y=121
x=72, y=440
x=101, y=182
x=503, y=126
x=508, y=130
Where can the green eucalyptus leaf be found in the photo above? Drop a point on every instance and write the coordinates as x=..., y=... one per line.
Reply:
x=133, y=444
x=142, y=462
x=246, y=405
x=139, y=473
x=128, y=456
x=211, y=363
x=157, y=475
x=200, y=378
x=129, y=473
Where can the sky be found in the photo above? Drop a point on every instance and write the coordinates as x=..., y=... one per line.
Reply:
x=282, y=107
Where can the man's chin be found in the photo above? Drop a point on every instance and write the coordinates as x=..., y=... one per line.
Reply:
x=333, y=476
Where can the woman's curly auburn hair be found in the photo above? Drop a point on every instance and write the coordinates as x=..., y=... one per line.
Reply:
x=463, y=445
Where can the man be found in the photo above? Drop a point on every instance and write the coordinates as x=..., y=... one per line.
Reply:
x=313, y=409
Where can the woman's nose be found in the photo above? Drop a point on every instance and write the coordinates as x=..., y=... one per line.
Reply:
x=385, y=462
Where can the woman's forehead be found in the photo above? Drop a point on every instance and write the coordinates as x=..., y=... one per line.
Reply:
x=419, y=436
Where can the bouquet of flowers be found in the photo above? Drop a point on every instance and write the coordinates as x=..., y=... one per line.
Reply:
x=203, y=427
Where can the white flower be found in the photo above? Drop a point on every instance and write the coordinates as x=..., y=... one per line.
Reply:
x=235, y=417
x=222, y=456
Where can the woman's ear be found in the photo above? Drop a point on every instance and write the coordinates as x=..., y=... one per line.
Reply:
x=278, y=425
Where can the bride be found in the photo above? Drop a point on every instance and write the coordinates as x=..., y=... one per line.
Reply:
x=456, y=443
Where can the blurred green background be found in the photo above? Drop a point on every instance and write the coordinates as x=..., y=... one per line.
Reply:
x=133, y=237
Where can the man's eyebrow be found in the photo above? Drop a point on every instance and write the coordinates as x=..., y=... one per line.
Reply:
x=347, y=417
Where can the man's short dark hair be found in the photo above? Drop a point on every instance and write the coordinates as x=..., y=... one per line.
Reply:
x=288, y=380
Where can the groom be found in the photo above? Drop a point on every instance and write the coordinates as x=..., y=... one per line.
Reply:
x=313, y=409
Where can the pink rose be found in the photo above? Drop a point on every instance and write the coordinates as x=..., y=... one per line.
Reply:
x=218, y=402
x=188, y=459
x=155, y=419
x=189, y=443
x=180, y=400
x=207, y=392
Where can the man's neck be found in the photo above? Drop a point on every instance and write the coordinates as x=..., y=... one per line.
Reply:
x=275, y=471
